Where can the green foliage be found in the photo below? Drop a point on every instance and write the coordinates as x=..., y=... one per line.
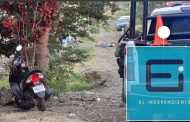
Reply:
x=64, y=80
x=57, y=79
x=94, y=30
x=77, y=16
x=78, y=82
x=60, y=75
x=74, y=55
x=4, y=84
x=121, y=12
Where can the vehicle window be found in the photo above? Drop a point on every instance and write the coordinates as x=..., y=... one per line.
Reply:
x=152, y=27
x=176, y=25
x=122, y=20
x=180, y=25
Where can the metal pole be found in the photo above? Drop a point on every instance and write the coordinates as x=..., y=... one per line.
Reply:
x=132, y=19
x=145, y=14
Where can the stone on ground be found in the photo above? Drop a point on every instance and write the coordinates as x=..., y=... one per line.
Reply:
x=98, y=77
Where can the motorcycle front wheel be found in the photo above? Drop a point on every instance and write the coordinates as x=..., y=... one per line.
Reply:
x=41, y=104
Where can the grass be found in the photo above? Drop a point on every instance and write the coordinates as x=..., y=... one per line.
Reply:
x=94, y=30
x=79, y=83
x=4, y=84
x=76, y=82
x=89, y=45
x=79, y=86
x=122, y=12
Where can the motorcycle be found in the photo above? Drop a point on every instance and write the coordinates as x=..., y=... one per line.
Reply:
x=31, y=84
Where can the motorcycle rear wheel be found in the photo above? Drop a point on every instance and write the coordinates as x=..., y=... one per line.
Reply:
x=17, y=102
x=41, y=104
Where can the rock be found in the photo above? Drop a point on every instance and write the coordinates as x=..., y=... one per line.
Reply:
x=70, y=96
x=113, y=101
x=108, y=97
x=62, y=98
x=122, y=104
x=88, y=96
x=6, y=96
x=96, y=76
x=23, y=118
x=98, y=99
x=55, y=98
x=74, y=96
x=72, y=115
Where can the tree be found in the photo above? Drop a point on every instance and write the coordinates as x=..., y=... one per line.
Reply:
x=29, y=22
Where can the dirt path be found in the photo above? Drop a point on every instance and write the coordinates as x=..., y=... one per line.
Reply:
x=107, y=106
x=110, y=107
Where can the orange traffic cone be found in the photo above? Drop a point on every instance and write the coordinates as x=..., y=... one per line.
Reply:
x=157, y=40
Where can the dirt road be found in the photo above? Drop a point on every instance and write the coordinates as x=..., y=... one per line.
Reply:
x=106, y=107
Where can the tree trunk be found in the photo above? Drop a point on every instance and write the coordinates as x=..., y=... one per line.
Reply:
x=42, y=50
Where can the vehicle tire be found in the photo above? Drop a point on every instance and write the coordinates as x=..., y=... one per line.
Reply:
x=123, y=95
x=41, y=104
x=119, y=29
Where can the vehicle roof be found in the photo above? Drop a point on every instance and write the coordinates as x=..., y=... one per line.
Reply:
x=169, y=10
x=124, y=16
